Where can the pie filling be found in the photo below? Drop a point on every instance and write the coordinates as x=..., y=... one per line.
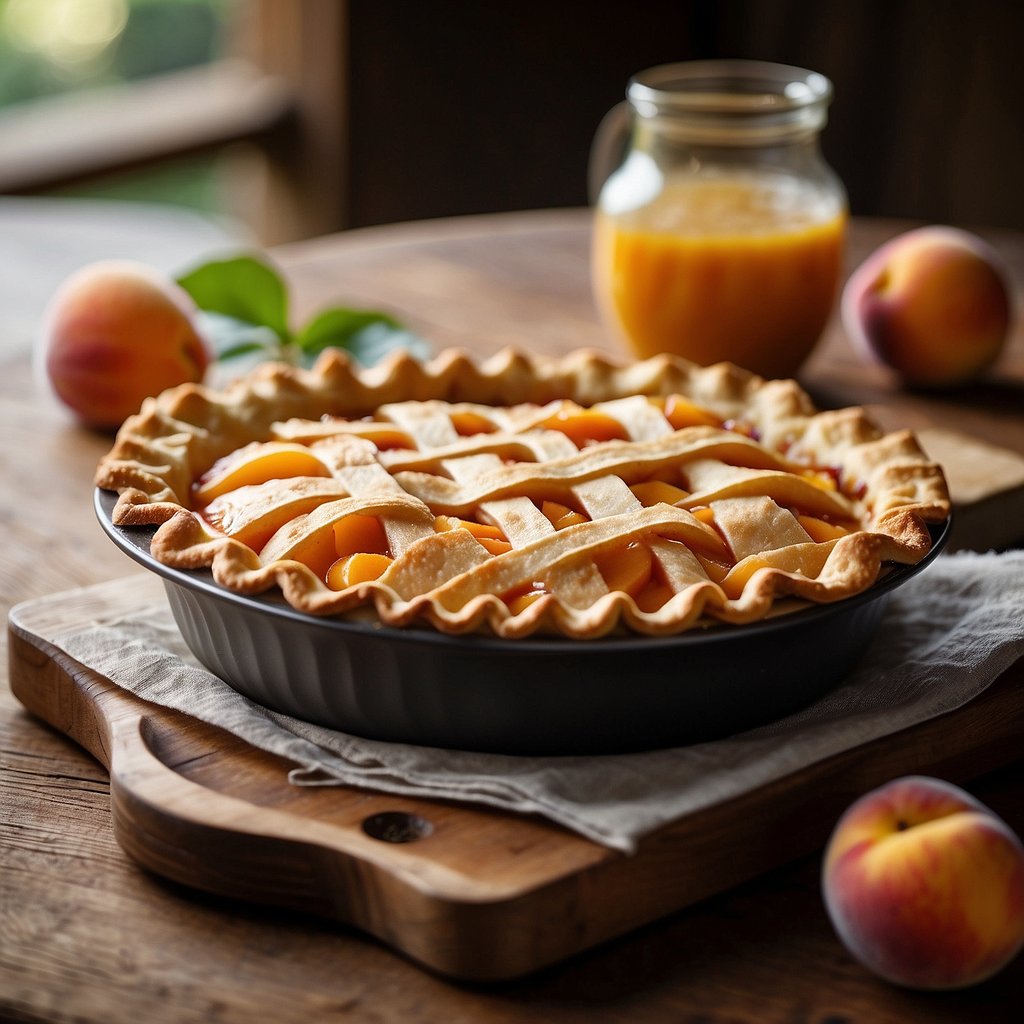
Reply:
x=709, y=497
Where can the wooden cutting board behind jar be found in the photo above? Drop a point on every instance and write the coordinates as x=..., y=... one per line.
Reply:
x=986, y=483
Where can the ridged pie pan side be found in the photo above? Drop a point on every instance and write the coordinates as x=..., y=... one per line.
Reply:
x=536, y=696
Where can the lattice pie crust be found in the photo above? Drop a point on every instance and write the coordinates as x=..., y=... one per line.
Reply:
x=574, y=496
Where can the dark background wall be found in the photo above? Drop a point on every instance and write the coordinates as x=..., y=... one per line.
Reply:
x=467, y=106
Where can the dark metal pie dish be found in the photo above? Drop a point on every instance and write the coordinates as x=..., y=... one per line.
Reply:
x=537, y=695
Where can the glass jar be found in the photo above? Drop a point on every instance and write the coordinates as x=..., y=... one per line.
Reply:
x=720, y=236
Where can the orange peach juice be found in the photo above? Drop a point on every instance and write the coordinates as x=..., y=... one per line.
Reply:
x=729, y=268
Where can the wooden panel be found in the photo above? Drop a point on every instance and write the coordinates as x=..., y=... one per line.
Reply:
x=485, y=109
x=297, y=185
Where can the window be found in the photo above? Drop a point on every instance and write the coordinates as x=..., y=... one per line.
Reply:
x=128, y=99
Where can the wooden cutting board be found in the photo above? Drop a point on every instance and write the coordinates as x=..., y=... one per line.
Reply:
x=474, y=894
x=986, y=483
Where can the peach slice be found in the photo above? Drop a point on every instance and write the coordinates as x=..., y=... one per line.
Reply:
x=253, y=514
x=651, y=492
x=468, y=423
x=711, y=545
x=705, y=514
x=256, y=463
x=584, y=426
x=560, y=516
x=627, y=568
x=716, y=569
x=322, y=549
x=821, y=478
x=681, y=412
x=316, y=550
x=655, y=594
x=362, y=567
x=387, y=440
x=819, y=530
x=488, y=537
x=520, y=602
x=494, y=546
x=443, y=523
x=358, y=534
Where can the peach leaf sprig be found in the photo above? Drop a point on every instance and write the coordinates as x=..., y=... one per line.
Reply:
x=243, y=304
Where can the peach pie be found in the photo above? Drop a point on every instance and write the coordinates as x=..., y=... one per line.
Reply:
x=573, y=496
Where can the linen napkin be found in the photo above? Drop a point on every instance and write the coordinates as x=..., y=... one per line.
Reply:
x=946, y=635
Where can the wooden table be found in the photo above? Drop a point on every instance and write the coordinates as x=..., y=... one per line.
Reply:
x=86, y=935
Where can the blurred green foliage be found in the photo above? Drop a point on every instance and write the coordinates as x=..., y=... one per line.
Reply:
x=194, y=183
x=54, y=47
x=164, y=35
x=153, y=37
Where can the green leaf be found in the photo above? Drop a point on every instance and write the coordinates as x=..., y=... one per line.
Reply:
x=371, y=344
x=244, y=312
x=335, y=328
x=377, y=340
x=230, y=338
x=243, y=288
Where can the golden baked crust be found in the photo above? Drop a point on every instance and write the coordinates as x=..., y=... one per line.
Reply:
x=464, y=470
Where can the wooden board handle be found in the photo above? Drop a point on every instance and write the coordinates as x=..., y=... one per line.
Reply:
x=437, y=908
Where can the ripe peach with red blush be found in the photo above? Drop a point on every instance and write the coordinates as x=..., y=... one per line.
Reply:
x=934, y=304
x=115, y=333
x=925, y=885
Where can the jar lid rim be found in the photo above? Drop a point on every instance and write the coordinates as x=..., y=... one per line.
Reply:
x=728, y=87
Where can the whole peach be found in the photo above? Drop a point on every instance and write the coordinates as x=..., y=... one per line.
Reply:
x=116, y=332
x=933, y=303
x=925, y=885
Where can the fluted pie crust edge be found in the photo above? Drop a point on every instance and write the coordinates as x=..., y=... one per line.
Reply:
x=890, y=490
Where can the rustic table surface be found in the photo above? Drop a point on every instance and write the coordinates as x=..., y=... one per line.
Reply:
x=85, y=935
